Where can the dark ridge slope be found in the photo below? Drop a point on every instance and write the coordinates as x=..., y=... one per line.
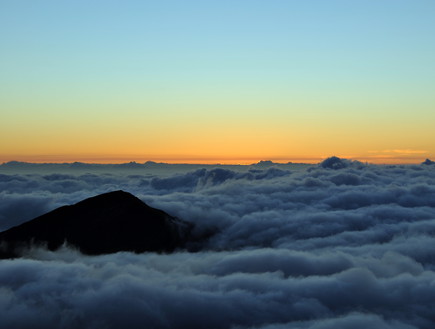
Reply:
x=107, y=223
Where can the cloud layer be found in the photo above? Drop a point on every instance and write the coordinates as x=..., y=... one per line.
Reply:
x=339, y=245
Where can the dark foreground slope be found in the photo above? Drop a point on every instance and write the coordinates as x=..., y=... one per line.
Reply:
x=107, y=223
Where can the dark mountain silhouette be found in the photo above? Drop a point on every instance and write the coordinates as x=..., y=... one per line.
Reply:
x=107, y=223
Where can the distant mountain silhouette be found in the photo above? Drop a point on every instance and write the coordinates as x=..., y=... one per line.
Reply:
x=107, y=223
x=264, y=163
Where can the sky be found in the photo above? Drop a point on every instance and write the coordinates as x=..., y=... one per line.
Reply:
x=217, y=81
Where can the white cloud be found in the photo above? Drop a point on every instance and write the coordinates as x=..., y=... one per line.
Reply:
x=316, y=248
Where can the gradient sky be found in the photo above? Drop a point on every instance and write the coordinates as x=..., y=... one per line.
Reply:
x=217, y=81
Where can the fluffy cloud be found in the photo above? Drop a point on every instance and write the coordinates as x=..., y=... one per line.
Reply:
x=343, y=245
x=251, y=288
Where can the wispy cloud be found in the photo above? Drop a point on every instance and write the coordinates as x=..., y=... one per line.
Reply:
x=401, y=151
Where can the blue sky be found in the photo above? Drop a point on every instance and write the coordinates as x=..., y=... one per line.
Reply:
x=174, y=62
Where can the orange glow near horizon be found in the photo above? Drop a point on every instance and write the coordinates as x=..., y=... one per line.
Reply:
x=212, y=140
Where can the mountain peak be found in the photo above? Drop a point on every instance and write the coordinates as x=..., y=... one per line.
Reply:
x=106, y=223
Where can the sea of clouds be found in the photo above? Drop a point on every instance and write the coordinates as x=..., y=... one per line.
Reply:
x=336, y=245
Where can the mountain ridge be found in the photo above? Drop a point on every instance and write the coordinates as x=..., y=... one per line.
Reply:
x=106, y=223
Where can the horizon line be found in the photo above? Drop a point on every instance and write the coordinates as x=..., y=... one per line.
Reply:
x=207, y=161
